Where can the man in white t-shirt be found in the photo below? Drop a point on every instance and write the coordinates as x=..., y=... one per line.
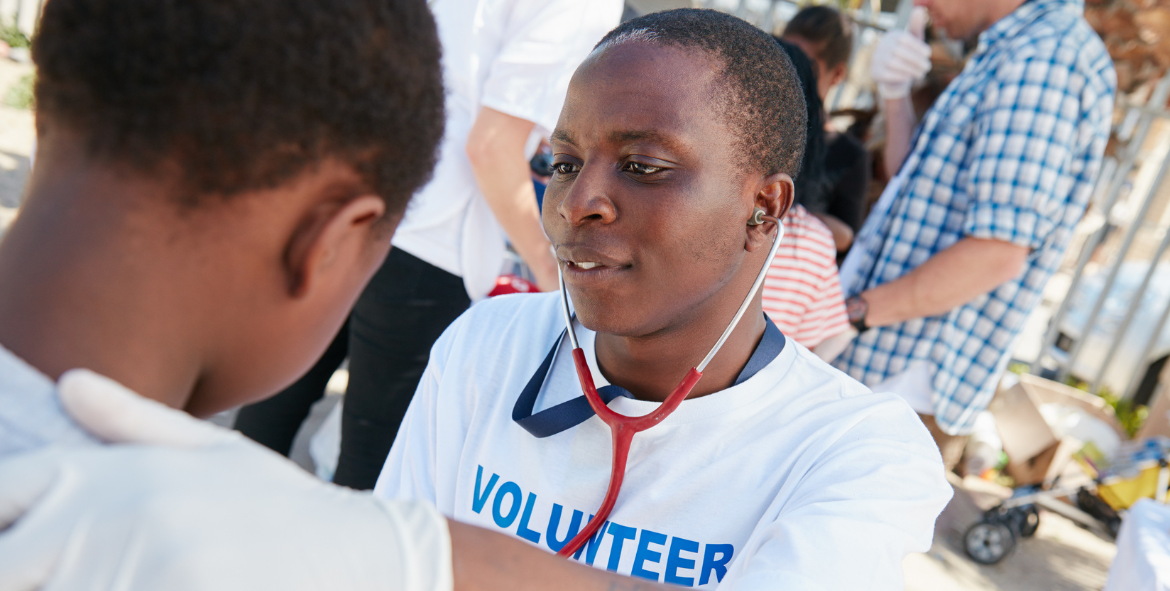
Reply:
x=777, y=469
x=506, y=65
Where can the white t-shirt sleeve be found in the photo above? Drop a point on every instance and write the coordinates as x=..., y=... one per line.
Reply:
x=423, y=554
x=544, y=42
x=867, y=503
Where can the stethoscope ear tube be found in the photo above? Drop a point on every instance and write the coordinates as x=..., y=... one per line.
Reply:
x=623, y=428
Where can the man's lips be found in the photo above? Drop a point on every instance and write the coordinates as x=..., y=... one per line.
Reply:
x=586, y=259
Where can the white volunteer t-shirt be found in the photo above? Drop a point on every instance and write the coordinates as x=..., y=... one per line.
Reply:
x=515, y=56
x=798, y=478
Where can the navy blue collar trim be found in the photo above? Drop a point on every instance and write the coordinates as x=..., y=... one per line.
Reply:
x=569, y=414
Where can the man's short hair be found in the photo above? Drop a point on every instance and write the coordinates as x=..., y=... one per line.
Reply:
x=240, y=95
x=760, y=96
x=826, y=28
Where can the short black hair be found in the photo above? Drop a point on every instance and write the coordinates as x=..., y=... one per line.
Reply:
x=762, y=98
x=246, y=94
x=811, y=185
x=829, y=29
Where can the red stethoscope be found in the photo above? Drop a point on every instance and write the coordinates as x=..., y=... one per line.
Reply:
x=622, y=427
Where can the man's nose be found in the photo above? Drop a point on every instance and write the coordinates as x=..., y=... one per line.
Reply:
x=588, y=200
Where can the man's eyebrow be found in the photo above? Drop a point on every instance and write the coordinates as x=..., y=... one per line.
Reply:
x=642, y=135
x=562, y=136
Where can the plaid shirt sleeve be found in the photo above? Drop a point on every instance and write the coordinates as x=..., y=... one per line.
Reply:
x=1026, y=138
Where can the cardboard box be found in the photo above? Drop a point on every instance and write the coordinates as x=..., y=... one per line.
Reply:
x=1035, y=454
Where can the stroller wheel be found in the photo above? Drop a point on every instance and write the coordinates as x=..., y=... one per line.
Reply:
x=1030, y=522
x=988, y=542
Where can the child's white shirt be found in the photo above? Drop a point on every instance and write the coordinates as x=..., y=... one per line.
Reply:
x=31, y=416
x=797, y=478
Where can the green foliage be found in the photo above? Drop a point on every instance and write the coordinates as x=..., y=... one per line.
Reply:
x=1019, y=367
x=20, y=95
x=1130, y=415
x=13, y=36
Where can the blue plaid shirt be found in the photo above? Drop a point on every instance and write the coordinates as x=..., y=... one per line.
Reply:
x=1010, y=152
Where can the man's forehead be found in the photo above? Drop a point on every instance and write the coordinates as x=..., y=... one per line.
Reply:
x=641, y=58
x=639, y=91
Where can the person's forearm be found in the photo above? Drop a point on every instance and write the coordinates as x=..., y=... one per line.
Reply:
x=842, y=233
x=496, y=150
x=900, y=121
x=968, y=269
x=488, y=561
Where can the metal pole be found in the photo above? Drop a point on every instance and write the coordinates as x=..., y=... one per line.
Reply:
x=1131, y=387
x=904, y=9
x=769, y=24
x=8, y=11
x=30, y=15
x=1159, y=96
x=1119, y=335
x=1130, y=234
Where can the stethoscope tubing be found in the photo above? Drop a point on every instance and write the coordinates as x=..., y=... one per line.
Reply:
x=623, y=428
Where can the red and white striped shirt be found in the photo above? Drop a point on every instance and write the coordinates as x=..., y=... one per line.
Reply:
x=802, y=293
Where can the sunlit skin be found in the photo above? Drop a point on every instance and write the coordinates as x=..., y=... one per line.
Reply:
x=650, y=183
x=964, y=20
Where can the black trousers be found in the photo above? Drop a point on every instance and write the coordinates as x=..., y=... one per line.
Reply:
x=406, y=306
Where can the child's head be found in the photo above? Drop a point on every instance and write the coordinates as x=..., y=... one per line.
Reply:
x=827, y=37
x=277, y=142
x=240, y=96
x=673, y=130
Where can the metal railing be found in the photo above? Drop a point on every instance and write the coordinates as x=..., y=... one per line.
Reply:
x=1118, y=176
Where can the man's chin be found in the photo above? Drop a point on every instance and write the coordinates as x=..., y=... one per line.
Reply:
x=606, y=319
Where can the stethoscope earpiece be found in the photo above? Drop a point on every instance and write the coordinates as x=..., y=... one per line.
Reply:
x=757, y=217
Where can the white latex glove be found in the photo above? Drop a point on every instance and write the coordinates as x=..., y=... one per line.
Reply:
x=210, y=511
x=901, y=58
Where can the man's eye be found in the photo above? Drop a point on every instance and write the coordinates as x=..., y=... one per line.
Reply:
x=564, y=168
x=639, y=168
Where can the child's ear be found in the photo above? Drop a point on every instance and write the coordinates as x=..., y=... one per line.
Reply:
x=334, y=240
x=775, y=197
x=837, y=75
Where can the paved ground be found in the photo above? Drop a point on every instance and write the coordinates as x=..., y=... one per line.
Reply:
x=1061, y=556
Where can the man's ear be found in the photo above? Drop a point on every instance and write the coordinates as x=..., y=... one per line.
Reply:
x=774, y=197
x=336, y=239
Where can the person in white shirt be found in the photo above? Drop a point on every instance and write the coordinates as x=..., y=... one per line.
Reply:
x=506, y=65
x=777, y=469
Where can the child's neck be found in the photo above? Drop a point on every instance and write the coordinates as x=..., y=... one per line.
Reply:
x=82, y=284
